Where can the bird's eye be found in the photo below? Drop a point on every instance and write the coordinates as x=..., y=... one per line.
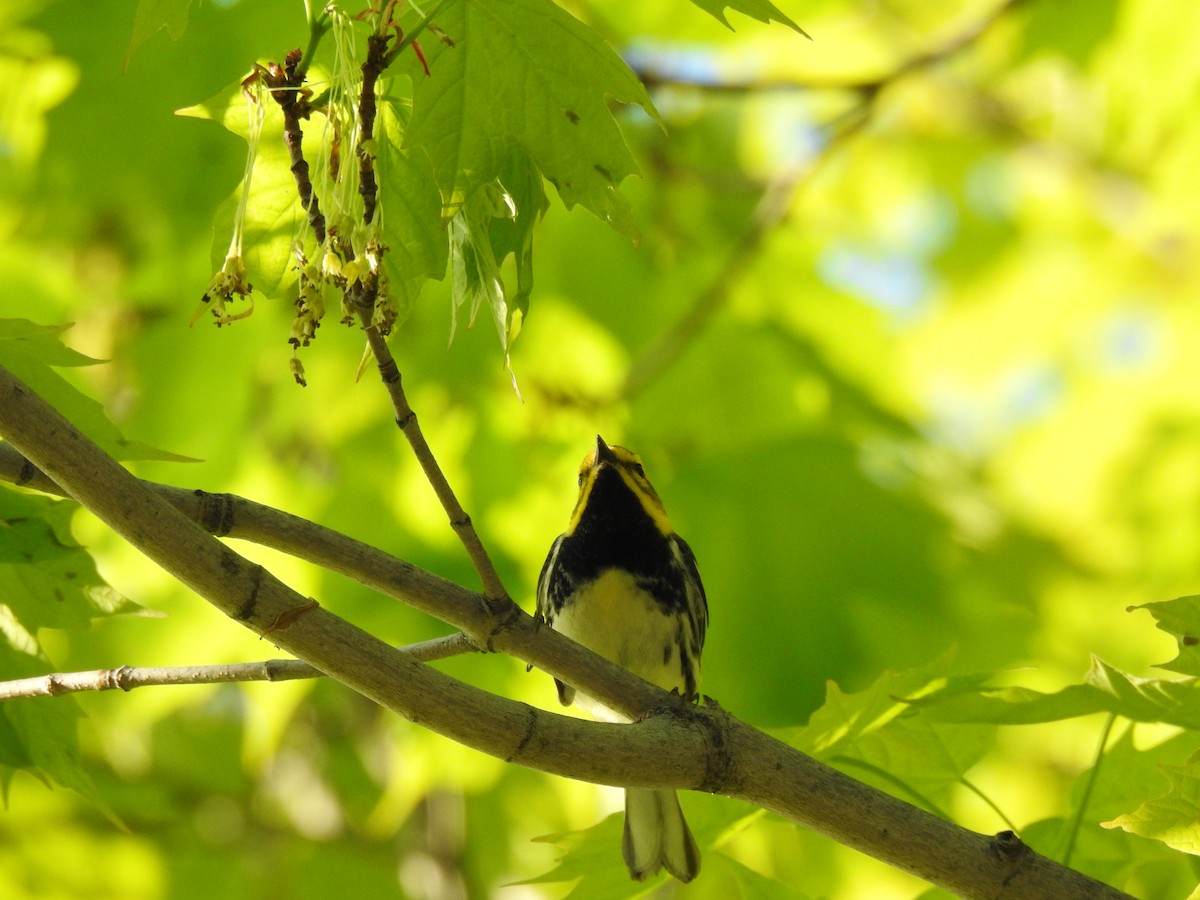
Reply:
x=582, y=475
x=637, y=467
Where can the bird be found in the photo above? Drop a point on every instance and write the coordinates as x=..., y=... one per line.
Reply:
x=622, y=583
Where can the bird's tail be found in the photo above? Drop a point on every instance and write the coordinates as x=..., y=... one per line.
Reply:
x=657, y=836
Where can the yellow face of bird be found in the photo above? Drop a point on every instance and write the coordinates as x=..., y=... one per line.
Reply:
x=629, y=466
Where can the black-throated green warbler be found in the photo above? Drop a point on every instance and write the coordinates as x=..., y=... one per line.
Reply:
x=621, y=582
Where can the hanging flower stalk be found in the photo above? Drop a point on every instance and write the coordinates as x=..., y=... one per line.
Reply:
x=230, y=279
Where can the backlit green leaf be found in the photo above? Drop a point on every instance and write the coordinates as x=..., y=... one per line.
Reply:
x=525, y=76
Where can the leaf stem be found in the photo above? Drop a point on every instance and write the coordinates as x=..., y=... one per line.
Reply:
x=318, y=27
x=903, y=786
x=1077, y=819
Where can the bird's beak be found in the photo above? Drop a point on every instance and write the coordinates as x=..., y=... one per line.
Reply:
x=603, y=453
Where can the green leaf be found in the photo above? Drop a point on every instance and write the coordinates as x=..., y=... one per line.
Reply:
x=523, y=76
x=29, y=350
x=494, y=223
x=844, y=719
x=513, y=235
x=593, y=858
x=751, y=883
x=1105, y=689
x=1070, y=28
x=762, y=10
x=1130, y=772
x=474, y=271
x=154, y=15
x=410, y=211
x=41, y=342
x=46, y=579
x=1180, y=618
x=40, y=734
x=1173, y=818
x=881, y=734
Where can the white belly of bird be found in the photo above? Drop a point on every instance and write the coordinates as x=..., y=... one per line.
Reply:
x=615, y=618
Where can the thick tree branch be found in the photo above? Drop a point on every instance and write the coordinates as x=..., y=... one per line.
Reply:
x=253, y=597
x=678, y=746
x=504, y=628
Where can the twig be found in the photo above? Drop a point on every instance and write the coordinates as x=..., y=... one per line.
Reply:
x=372, y=68
x=772, y=209
x=362, y=295
x=406, y=420
x=286, y=86
x=776, y=200
x=126, y=678
x=379, y=57
x=654, y=77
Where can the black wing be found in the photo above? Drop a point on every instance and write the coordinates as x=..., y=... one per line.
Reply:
x=696, y=598
x=548, y=601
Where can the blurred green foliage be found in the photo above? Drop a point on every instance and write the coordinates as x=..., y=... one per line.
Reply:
x=908, y=344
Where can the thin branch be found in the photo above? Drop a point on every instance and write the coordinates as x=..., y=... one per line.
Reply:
x=678, y=746
x=773, y=207
x=654, y=77
x=372, y=67
x=406, y=420
x=126, y=678
x=379, y=57
x=286, y=85
x=777, y=199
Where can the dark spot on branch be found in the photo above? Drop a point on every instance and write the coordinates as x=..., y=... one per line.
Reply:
x=389, y=373
x=506, y=613
x=28, y=472
x=230, y=563
x=1009, y=848
x=718, y=760
x=530, y=730
x=216, y=512
x=122, y=678
x=246, y=611
x=573, y=116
